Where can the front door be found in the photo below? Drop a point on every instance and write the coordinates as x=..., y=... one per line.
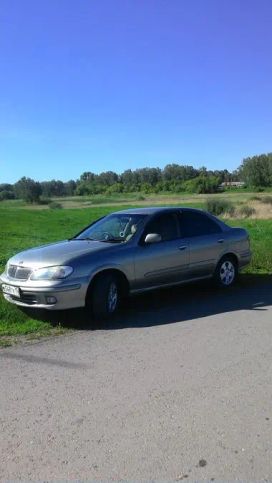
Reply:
x=164, y=262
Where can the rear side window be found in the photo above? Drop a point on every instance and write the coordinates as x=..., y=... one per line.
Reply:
x=197, y=224
x=165, y=225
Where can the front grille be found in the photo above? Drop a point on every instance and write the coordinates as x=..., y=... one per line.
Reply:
x=27, y=298
x=19, y=273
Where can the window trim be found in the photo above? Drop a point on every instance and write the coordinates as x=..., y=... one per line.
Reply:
x=158, y=215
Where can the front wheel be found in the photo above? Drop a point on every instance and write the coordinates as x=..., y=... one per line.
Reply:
x=104, y=297
x=226, y=272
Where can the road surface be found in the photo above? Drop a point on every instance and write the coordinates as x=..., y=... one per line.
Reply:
x=178, y=387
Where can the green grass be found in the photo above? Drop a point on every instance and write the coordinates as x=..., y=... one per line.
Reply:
x=260, y=232
x=24, y=228
x=79, y=202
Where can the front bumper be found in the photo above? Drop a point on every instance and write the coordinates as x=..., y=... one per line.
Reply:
x=67, y=296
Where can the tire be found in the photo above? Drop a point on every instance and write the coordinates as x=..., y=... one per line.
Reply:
x=105, y=297
x=226, y=272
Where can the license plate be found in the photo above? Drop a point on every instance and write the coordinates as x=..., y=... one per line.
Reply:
x=10, y=290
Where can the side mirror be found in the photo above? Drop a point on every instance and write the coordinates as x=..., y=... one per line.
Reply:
x=153, y=238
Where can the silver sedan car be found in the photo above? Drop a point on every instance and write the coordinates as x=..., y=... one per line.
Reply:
x=124, y=253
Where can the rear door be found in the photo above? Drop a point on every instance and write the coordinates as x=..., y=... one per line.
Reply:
x=205, y=240
x=163, y=262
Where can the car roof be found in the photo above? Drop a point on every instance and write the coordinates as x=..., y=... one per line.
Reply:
x=151, y=210
x=155, y=209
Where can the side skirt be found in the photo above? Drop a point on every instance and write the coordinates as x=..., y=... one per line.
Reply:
x=166, y=285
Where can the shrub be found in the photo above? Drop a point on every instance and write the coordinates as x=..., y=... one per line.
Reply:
x=115, y=188
x=219, y=207
x=6, y=195
x=44, y=201
x=202, y=184
x=140, y=198
x=146, y=188
x=247, y=211
x=255, y=198
x=266, y=199
x=54, y=205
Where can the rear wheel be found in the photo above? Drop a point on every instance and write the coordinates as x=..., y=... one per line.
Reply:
x=104, y=296
x=226, y=272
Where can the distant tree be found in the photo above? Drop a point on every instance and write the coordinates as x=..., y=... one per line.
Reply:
x=202, y=171
x=87, y=176
x=6, y=195
x=115, y=188
x=257, y=170
x=223, y=174
x=148, y=176
x=128, y=178
x=6, y=191
x=46, y=189
x=90, y=188
x=235, y=175
x=6, y=187
x=202, y=184
x=53, y=188
x=82, y=189
x=107, y=178
x=28, y=190
x=70, y=187
x=177, y=172
x=60, y=188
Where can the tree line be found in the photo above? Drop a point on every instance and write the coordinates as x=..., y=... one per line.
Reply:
x=255, y=171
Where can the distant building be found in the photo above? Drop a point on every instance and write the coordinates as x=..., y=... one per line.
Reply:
x=232, y=184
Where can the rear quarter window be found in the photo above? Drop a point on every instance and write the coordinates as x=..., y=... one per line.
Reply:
x=197, y=224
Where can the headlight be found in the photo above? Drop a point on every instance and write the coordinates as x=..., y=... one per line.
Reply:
x=51, y=273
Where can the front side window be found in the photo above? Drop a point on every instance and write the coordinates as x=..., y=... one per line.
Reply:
x=165, y=225
x=197, y=224
x=113, y=228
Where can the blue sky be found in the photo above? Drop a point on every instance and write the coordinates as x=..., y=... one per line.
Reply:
x=96, y=85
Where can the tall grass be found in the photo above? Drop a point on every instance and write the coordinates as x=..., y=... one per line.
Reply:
x=247, y=211
x=219, y=206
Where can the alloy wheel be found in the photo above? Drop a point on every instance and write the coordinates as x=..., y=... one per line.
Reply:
x=227, y=272
x=112, y=297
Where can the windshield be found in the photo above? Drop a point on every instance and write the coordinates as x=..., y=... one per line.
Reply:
x=113, y=228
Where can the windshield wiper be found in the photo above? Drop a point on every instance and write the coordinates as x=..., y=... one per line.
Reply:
x=83, y=239
x=108, y=240
x=112, y=240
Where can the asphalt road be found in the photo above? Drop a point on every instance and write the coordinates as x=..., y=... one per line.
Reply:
x=178, y=387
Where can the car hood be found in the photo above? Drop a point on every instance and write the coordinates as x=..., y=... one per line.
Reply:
x=60, y=253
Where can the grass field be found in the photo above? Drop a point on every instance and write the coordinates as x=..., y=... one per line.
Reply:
x=139, y=199
x=24, y=227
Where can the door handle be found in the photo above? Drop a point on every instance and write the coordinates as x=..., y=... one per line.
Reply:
x=221, y=240
x=183, y=247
